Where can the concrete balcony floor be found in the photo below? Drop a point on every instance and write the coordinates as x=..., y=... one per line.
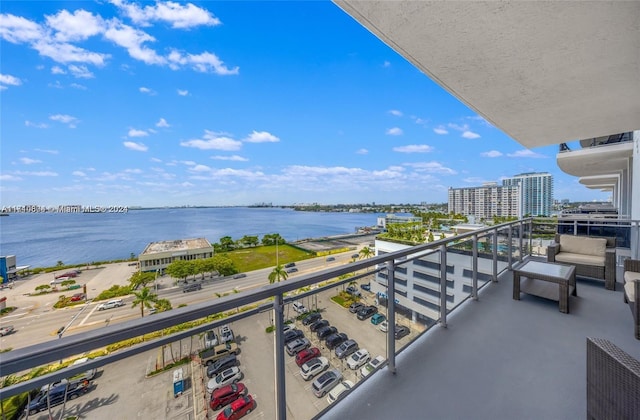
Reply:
x=499, y=359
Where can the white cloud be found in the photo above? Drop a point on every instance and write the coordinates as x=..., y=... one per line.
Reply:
x=200, y=168
x=261, y=137
x=57, y=70
x=51, y=152
x=36, y=125
x=205, y=63
x=38, y=173
x=139, y=147
x=413, y=148
x=440, y=130
x=362, y=151
x=80, y=72
x=162, y=123
x=395, y=112
x=395, y=131
x=78, y=86
x=75, y=27
x=7, y=177
x=470, y=135
x=234, y=158
x=432, y=167
x=183, y=92
x=213, y=141
x=137, y=133
x=180, y=16
x=155, y=160
x=386, y=64
x=147, y=91
x=133, y=39
x=16, y=29
x=491, y=154
x=28, y=161
x=476, y=180
x=7, y=79
x=65, y=119
x=526, y=153
x=67, y=53
x=78, y=173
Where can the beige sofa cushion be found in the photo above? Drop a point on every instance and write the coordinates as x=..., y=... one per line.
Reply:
x=582, y=259
x=630, y=291
x=583, y=245
x=630, y=276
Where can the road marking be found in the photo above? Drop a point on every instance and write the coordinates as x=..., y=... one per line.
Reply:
x=88, y=315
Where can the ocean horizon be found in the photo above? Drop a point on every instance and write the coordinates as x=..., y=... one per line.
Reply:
x=43, y=239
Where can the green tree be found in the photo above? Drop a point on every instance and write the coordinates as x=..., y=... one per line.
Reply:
x=227, y=243
x=162, y=305
x=44, y=288
x=272, y=239
x=430, y=237
x=179, y=269
x=278, y=273
x=223, y=265
x=248, y=240
x=67, y=283
x=144, y=298
x=141, y=278
x=59, y=264
x=365, y=253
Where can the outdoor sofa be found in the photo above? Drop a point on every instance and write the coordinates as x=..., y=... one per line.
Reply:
x=632, y=291
x=592, y=256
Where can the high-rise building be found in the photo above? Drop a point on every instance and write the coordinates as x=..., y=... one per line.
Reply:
x=486, y=201
x=536, y=193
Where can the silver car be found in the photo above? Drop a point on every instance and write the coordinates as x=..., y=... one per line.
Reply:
x=326, y=382
x=346, y=349
x=297, y=345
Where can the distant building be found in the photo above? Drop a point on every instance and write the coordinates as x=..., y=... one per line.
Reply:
x=536, y=193
x=383, y=222
x=8, y=268
x=158, y=255
x=485, y=202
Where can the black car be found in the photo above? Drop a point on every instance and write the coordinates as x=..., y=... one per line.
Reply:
x=367, y=312
x=311, y=318
x=334, y=340
x=325, y=332
x=289, y=265
x=366, y=286
x=292, y=335
x=292, y=270
x=400, y=331
x=356, y=306
x=318, y=324
x=56, y=395
x=221, y=364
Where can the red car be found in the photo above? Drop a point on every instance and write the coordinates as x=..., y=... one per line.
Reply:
x=77, y=297
x=239, y=408
x=307, y=354
x=223, y=396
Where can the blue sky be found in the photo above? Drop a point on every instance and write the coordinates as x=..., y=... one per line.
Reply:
x=231, y=103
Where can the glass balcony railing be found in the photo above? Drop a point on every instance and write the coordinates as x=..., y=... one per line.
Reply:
x=157, y=366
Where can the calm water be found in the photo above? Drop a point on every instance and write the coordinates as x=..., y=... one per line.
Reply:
x=44, y=239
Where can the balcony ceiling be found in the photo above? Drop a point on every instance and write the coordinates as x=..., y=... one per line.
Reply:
x=601, y=182
x=606, y=160
x=544, y=73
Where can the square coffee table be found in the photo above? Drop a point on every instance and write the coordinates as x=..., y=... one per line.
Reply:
x=548, y=280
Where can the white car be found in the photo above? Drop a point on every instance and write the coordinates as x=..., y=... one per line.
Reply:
x=371, y=366
x=384, y=326
x=313, y=367
x=210, y=339
x=338, y=391
x=299, y=308
x=110, y=304
x=226, y=334
x=226, y=377
x=358, y=359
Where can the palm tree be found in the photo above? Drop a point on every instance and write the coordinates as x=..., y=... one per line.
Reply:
x=144, y=298
x=278, y=273
x=365, y=252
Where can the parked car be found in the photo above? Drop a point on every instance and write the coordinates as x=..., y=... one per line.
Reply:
x=366, y=286
x=325, y=332
x=292, y=270
x=210, y=339
x=366, y=312
x=311, y=318
x=307, y=354
x=355, y=307
x=299, y=307
x=289, y=265
x=68, y=274
x=400, y=331
x=326, y=382
x=371, y=366
x=56, y=395
x=377, y=319
x=221, y=364
x=208, y=356
x=359, y=358
x=237, y=409
x=292, y=335
x=334, y=340
x=239, y=276
x=77, y=297
x=384, y=326
x=314, y=366
x=346, y=349
x=330, y=259
x=225, y=377
x=226, y=334
x=7, y=329
x=228, y=393
x=353, y=291
x=297, y=345
x=191, y=287
x=114, y=303
x=338, y=391
x=318, y=324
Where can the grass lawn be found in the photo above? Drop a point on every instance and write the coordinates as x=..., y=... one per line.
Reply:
x=249, y=259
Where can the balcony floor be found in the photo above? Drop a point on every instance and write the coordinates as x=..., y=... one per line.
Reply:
x=499, y=359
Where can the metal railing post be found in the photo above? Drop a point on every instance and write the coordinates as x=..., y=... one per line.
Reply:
x=280, y=386
x=391, y=313
x=474, y=263
x=495, y=255
x=520, y=240
x=509, y=241
x=443, y=285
